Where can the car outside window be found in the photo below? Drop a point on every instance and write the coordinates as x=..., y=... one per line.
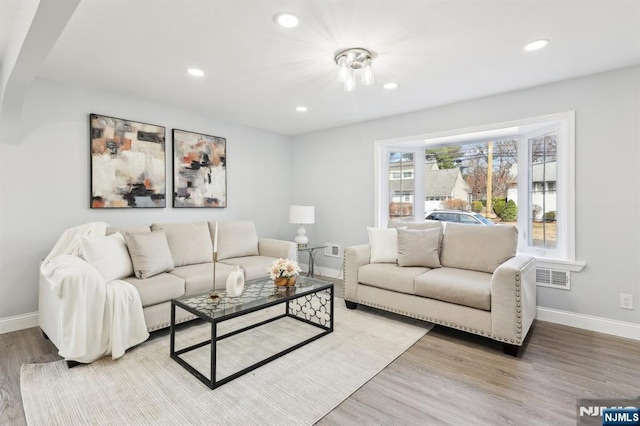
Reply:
x=468, y=219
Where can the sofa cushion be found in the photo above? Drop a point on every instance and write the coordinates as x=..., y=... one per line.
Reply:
x=390, y=277
x=199, y=277
x=149, y=252
x=253, y=266
x=384, y=245
x=159, y=288
x=190, y=243
x=109, y=255
x=124, y=229
x=419, y=247
x=410, y=224
x=236, y=238
x=459, y=286
x=478, y=248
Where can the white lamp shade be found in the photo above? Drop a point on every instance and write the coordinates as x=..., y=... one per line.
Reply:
x=301, y=214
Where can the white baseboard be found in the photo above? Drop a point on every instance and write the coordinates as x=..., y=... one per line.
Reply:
x=588, y=322
x=18, y=322
x=571, y=319
x=321, y=270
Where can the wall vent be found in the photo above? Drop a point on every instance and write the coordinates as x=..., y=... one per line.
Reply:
x=554, y=279
x=332, y=250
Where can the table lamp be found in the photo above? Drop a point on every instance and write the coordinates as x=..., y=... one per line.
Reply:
x=301, y=215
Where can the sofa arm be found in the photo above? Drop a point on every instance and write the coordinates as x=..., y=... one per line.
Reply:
x=354, y=258
x=513, y=299
x=278, y=248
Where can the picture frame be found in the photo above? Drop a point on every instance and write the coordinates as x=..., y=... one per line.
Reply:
x=199, y=170
x=128, y=163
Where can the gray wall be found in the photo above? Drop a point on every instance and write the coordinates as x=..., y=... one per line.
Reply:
x=44, y=180
x=336, y=170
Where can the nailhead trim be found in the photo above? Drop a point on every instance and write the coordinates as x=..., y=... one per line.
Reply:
x=168, y=324
x=453, y=325
x=420, y=317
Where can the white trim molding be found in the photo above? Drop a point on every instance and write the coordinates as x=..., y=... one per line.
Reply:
x=18, y=322
x=588, y=322
x=321, y=271
x=562, y=265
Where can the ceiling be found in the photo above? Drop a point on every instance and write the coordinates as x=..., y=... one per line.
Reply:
x=257, y=73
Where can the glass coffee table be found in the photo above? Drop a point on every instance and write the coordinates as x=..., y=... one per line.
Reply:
x=310, y=301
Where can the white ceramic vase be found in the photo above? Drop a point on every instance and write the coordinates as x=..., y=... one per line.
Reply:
x=235, y=283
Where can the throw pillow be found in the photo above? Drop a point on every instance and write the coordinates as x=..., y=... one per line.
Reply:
x=410, y=224
x=384, y=245
x=109, y=255
x=419, y=247
x=150, y=253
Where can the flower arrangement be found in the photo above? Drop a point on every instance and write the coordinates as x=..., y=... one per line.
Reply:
x=283, y=268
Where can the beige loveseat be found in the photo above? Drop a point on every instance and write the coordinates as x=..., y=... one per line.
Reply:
x=190, y=270
x=467, y=277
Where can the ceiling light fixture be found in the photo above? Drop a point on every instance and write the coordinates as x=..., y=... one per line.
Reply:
x=535, y=45
x=195, y=72
x=351, y=60
x=287, y=20
x=390, y=86
x=301, y=109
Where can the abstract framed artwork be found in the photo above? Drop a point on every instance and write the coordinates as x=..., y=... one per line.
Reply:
x=128, y=165
x=199, y=170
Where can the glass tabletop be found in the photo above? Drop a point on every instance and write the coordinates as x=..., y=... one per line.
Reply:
x=311, y=248
x=256, y=293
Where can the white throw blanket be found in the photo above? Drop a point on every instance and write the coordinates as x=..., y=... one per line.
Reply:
x=96, y=318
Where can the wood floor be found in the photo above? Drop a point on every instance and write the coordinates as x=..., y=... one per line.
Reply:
x=447, y=377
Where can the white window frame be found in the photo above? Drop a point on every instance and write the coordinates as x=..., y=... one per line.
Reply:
x=561, y=251
x=562, y=258
x=381, y=183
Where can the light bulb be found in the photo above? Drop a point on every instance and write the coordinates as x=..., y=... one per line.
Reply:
x=343, y=69
x=536, y=45
x=287, y=20
x=367, y=73
x=195, y=72
x=350, y=82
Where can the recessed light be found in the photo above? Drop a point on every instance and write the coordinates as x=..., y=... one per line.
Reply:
x=536, y=45
x=301, y=109
x=390, y=86
x=195, y=72
x=287, y=20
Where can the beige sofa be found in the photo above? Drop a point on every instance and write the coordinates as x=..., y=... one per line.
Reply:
x=191, y=268
x=480, y=285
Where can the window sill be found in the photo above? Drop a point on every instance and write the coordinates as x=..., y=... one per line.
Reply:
x=559, y=264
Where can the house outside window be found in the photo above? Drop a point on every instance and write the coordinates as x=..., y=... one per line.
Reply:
x=400, y=187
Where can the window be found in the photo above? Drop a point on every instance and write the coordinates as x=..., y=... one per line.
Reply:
x=521, y=172
x=468, y=219
x=543, y=155
x=400, y=187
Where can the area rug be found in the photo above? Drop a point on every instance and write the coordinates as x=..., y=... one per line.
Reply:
x=145, y=386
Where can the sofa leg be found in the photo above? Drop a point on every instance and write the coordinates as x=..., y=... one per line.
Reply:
x=351, y=305
x=71, y=364
x=510, y=349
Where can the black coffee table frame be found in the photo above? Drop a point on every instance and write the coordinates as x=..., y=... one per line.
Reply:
x=283, y=297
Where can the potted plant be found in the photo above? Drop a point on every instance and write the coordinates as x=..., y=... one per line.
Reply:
x=283, y=272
